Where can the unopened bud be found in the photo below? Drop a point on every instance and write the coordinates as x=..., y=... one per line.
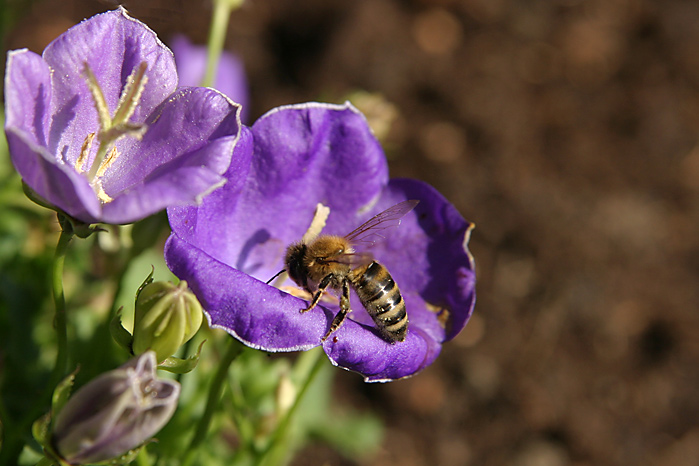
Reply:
x=115, y=412
x=167, y=316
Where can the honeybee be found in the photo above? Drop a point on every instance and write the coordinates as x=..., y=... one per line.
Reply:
x=330, y=261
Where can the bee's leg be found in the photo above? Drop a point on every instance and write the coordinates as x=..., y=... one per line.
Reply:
x=322, y=286
x=344, y=310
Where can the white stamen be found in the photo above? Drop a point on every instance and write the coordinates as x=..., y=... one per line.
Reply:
x=320, y=216
x=317, y=224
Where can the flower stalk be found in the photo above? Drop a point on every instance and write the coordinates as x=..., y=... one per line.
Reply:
x=232, y=352
x=217, y=36
x=60, y=319
x=273, y=452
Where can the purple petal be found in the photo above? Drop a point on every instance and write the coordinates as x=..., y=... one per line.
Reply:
x=257, y=314
x=186, y=149
x=431, y=256
x=358, y=349
x=230, y=75
x=113, y=44
x=27, y=99
x=29, y=96
x=302, y=155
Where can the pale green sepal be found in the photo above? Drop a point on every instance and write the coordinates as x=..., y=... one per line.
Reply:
x=120, y=334
x=41, y=430
x=146, y=282
x=62, y=392
x=68, y=223
x=127, y=458
x=181, y=366
x=46, y=461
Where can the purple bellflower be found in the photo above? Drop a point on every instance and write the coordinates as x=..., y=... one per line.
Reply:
x=115, y=412
x=98, y=129
x=230, y=74
x=290, y=160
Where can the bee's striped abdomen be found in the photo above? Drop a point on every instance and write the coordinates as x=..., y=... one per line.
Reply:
x=381, y=298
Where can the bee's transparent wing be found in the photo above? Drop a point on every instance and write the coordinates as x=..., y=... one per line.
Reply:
x=355, y=259
x=370, y=231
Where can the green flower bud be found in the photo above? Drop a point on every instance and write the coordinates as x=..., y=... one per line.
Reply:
x=115, y=413
x=167, y=316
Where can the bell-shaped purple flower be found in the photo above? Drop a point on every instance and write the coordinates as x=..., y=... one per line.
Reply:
x=230, y=73
x=115, y=412
x=290, y=160
x=98, y=128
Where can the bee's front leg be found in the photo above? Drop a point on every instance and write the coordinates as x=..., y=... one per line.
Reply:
x=344, y=310
x=322, y=286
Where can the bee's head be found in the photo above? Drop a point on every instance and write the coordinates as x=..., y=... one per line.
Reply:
x=294, y=263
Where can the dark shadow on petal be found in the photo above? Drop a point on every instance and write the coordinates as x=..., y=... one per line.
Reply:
x=59, y=123
x=259, y=237
x=39, y=112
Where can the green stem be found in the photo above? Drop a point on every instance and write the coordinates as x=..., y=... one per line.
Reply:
x=142, y=458
x=60, y=321
x=234, y=349
x=14, y=433
x=217, y=36
x=281, y=431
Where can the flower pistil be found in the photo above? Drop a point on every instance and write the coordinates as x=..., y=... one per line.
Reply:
x=112, y=128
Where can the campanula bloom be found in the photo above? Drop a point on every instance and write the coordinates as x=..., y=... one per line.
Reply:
x=290, y=160
x=98, y=128
x=115, y=412
x=230, y=73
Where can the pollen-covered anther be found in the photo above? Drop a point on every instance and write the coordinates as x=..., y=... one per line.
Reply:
x=101, y=193
x=107, y=162
x=443, y=314
x=84, y=153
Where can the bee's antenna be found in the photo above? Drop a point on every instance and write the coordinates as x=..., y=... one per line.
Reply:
x=276, y=275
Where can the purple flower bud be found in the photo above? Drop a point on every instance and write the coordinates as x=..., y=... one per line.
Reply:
x=115, y=412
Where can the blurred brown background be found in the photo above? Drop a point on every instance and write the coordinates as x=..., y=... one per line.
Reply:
x=567, y=131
